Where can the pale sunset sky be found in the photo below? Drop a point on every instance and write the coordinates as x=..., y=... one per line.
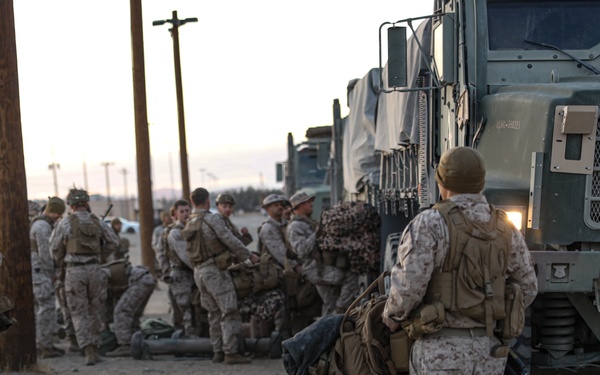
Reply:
x=252, y=71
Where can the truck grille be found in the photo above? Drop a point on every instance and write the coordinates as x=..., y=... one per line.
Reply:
x=592, y=201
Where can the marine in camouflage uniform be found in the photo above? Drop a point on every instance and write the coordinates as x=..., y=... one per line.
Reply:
x=163, y=271
x=209, y=238
x=43, y=272
x=76, y=244
x=182, y=274
x=225, y=203
x=166, y=219
x=130, y=308
x=425, y=244
x=271, y=235
x=336, y=287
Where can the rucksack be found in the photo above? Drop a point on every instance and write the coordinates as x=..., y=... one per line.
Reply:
x=365, y=343
x=471, y=281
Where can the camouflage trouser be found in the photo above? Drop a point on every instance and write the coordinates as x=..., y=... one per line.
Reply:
x=181, y=286
x=131, y=306
x=174, y=310
x=45, y=309
x=85, y=289
x=338, y=297
x=265, y=305
x=455, y=355
x=64, y=308
x=217, y=295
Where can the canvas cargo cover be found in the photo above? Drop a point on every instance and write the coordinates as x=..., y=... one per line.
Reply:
x=397, y=112
x=358, y=149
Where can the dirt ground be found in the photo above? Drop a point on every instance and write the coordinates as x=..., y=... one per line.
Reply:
x=160, y=364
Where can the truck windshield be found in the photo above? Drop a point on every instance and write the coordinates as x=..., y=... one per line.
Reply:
x=568, y=25
x=309, y=174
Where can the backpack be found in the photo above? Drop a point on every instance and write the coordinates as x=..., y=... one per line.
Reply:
x=85, y=236
x=365, y=343
x=471, y=281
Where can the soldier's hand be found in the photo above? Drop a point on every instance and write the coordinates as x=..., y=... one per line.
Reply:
x=298, y=269
x=392, y=325
x=254, y=258
x=244, y=231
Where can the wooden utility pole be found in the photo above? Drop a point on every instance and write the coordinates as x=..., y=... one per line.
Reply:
x=176, y=22
x=144, y=170
x=17, y=344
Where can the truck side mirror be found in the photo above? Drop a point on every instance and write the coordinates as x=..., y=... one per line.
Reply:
x=279, y=172
x=396, y=57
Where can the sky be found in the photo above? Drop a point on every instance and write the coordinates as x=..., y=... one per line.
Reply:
x=252, y=71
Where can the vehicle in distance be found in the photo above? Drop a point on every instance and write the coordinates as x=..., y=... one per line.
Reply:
x=128, y=226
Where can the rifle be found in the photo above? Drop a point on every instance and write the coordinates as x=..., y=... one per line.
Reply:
x=107, y=211
x=515, y=365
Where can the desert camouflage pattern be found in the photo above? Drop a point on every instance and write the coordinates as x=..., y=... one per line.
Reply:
x=217, y=296
x=182, y=283
x=85, y=285
x=61, y=296
x=217, y=292
x=455, y=355
x=62, y=232
x=159, y=253
x=303, y=240
x=265, y=305
x=178, y=245
x=42, y=268
x=352, y=228
x=271, y=238
x=34, y=209
x=336, y=299
x=131, y=305
x=424, y=246
x=245, y=238
x=85, y=290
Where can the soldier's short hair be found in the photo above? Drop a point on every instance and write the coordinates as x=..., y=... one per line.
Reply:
x=181, y=202
x=199, y=196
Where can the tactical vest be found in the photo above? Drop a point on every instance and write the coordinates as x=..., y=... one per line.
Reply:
x=198, y=248
x=289, y=253
x=34, y=245
x=472, y=281
x=171, y=254
x=85, y=236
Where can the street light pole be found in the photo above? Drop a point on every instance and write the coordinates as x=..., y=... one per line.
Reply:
x=176, y=22
x=106, y=165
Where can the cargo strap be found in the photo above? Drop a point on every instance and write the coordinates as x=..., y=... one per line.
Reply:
x=460, y=332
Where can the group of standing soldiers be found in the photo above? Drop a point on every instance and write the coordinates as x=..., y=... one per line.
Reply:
x=196, y=255
x=200, y=255
x=67, y=264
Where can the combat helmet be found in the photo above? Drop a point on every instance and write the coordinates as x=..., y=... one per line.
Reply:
x=225, y=198
x=77, y=196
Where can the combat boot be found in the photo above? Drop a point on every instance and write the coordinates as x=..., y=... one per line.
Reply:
x=236, y=359
x=74, y=346
x=218, y=357
x=91, y=354
x=51, y=352
x=121, y=351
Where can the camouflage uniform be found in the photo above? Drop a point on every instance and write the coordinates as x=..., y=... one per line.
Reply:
x=131, y=305
x=337, y=288
x=182, y=277
x=245, y=238
x=85, y=282
x=424, y=246
x=217, y=292
x=159, y=255
x=272, y=239
x=42, y=267
x=165, y=270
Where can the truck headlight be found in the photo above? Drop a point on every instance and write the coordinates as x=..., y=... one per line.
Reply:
x=516, y=214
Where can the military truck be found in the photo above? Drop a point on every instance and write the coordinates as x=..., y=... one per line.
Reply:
x=306, y=167
x=519, y=81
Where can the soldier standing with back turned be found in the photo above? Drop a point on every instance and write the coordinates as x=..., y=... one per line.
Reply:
x=43, y=274
x=76, y=244
x=427, y=292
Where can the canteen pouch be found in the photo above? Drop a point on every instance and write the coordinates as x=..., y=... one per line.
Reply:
x=400, y=345
x=223, y=260
x=514, y=322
